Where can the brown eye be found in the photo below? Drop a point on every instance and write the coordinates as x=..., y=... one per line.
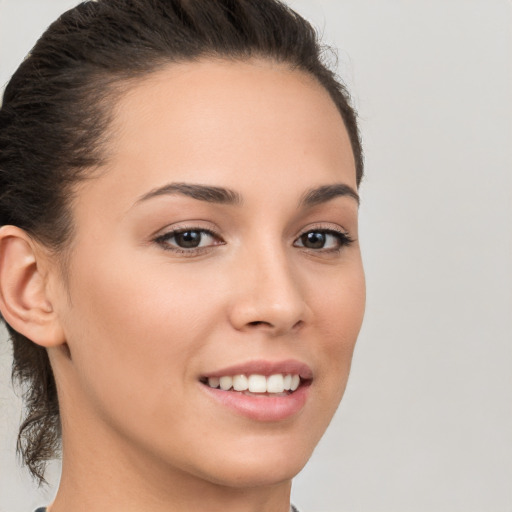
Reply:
x=326, y=239
x=313, y=240
x=188, y=239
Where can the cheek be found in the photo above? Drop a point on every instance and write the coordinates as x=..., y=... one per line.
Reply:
x=339, y=313
x=134, y=329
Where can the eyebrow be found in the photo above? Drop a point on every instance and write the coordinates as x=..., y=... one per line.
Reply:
x=210, y=194
x=325, y=193
x=221, y=195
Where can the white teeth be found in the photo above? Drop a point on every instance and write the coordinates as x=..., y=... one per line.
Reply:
x=240, y=383
x=295, y=382
x=226, y=383
x=277, y=383
x=257, y=384
x=213, y=382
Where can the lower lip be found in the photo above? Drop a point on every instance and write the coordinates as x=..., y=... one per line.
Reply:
x=264, y=407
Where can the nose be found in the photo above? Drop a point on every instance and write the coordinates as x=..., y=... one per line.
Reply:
x=267, y=295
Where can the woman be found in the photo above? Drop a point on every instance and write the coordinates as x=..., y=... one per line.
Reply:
x=179, y=266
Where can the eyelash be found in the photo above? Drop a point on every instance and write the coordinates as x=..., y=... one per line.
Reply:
x=343, y=240
x=163, y=241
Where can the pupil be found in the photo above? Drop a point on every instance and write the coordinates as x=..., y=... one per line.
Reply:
x=188, y=239
x=313, y=240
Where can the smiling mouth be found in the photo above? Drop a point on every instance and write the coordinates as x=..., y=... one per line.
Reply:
x=278, y=384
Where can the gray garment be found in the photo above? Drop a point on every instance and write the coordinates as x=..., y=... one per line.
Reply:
x=292, y=509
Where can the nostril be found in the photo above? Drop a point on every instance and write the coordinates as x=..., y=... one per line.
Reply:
x=259, y=322
x=299, y=324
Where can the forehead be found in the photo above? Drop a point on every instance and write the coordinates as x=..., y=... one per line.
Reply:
x=227, y=122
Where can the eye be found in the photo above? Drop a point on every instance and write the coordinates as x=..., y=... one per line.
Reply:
x=186, y=240
x=323, y=239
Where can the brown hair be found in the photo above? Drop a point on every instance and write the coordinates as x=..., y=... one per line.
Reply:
x=56, y=112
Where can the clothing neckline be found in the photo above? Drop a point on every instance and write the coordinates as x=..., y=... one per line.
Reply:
x=43, y=509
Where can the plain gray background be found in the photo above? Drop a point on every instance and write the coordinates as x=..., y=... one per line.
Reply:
x=426, y=422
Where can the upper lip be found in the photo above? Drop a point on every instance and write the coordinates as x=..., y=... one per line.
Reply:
x=262, y=367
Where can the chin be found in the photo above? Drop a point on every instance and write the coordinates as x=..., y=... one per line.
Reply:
x=252, y=473
x=264, y=465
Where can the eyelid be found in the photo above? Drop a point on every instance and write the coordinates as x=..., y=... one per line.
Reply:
x=192, y=225
x=327, y=227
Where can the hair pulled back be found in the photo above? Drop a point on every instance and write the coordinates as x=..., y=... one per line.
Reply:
x=55, y=116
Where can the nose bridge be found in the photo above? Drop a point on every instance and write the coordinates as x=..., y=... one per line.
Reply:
x=268, y=294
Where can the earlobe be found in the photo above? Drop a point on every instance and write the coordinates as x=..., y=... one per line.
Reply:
x=24, y=301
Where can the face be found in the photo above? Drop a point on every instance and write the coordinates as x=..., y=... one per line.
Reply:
x=218, y=247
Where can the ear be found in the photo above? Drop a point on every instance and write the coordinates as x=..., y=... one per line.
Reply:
x=24, y=302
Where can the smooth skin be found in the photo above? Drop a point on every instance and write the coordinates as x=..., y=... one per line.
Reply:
x=138, y=318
